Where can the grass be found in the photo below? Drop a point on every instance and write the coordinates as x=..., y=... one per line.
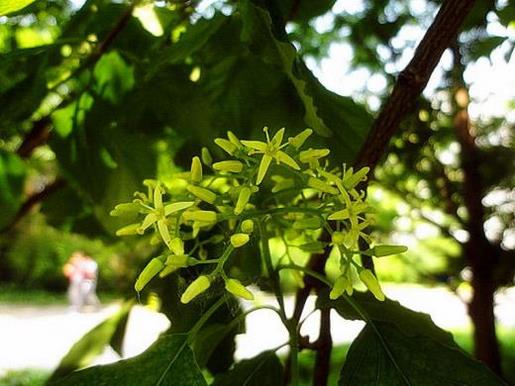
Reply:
x=28, y=377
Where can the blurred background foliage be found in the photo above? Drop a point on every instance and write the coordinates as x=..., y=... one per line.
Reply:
x=97, y=95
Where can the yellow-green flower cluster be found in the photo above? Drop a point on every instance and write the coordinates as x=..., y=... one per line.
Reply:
x=218, y=203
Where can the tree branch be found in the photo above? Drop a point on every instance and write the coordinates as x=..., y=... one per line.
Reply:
x=410, y=83
x=33, y=200
x=413, y=79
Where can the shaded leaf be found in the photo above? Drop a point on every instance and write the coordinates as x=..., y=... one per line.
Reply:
x=169, y=361
x=265, y=369
x=92, y=343
x=419, y=360
x=399, y=346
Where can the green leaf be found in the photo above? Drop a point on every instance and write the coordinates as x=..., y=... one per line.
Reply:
x=329, y=114
x=92, y=343
x=169, y=361
x=9, y=6
x=419, y=360
x=265, y=369
x=118, y=337
x=399, y=347
x=257, y=32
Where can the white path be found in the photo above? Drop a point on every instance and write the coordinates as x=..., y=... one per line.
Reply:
x=37, y=337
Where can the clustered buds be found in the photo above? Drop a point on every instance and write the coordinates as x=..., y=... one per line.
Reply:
x=218, y=203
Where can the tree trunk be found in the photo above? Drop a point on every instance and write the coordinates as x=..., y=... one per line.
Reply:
x=481, y=311
x=480, y=254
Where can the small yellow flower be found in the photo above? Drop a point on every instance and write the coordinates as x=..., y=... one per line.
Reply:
x=271, y=149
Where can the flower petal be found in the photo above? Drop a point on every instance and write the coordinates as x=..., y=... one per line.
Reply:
x=281, y=156
x=177, y=206
x=263, y=167
x=256, y=145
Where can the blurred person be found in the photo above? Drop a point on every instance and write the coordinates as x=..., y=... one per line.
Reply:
x=82, y=273
x=89, y=281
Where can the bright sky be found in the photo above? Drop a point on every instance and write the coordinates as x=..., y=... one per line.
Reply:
x=492, y=81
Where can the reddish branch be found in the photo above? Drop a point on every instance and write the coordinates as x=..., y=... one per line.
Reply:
x=33, y=200
x=408, y=87
x=413, y=79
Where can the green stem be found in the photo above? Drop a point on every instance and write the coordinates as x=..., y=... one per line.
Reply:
x=204, y=318
x=290, y=325
x=307, y=271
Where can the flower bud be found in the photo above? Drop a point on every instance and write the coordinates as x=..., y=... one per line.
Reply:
x=126, y=208
x=206, y=156
x=177, y=246
x=386, y=250
x=247, y=226
x=228, y=166
x=196, y=170
x=340, y=215
x=236, y=288
x=243, y=199
x=308, y=156
x=318, y=184
x=352, y=179
x=202, y=193
x=128, y=230
x=239, y=239
x=300, y=138
x=177, y=260
x=173, y=263
x=368, y=278
x=233, y=139
x=152, y=269
x=341, y=285
x=200, y=215
x=226, y=145
x=338, y=237
x=199, y=285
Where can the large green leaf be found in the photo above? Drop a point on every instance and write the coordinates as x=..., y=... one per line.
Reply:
x=9, y=6
x=329, y=114
x=265, y=369
x=257, y=32
x=403, y=347
x=412, y=360
x=169, y=361
x=92, y=343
